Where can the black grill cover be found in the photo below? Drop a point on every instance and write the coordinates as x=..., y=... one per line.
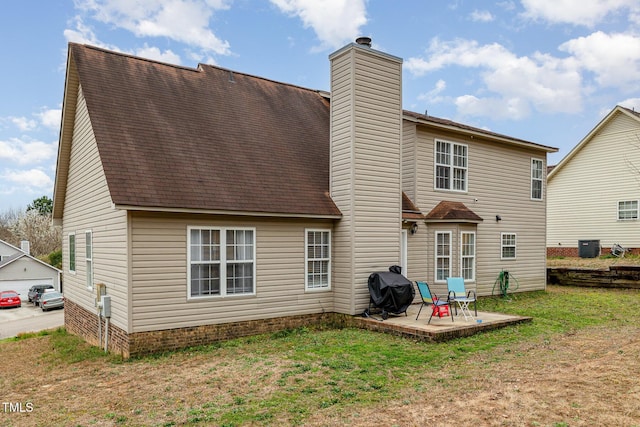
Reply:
x=391, y=292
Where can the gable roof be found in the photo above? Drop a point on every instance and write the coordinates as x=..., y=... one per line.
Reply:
x=206, y=139
x=606, y=120
x=447, y=211
x=209, y=139
x=20, y=254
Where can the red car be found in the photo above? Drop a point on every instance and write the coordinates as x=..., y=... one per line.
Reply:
x=10, y=299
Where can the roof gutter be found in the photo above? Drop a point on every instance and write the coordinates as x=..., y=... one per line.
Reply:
x=223, y=212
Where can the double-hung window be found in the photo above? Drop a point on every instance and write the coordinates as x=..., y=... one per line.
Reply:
x=508, y=246
x=468, y=255
x=443, y=255
x=628, y=210
x=221, y=261
x=89, y=258
x=318, y=259
x=537, y=177
x=451, y=166
x=72, y=252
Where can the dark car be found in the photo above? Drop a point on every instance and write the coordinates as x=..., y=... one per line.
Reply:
x=51, y=300
x=35, y=291
x=9, y=299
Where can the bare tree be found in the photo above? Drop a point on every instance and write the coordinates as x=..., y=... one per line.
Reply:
x=7, y=221
x=38, y=229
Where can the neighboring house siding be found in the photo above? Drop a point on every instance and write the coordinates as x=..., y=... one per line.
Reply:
x=88, y=207
x=159, y=273
x=499, y=178
x=584, y=193
x=369, y=193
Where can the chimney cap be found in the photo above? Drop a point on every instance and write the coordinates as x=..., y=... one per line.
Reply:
x=364, y=41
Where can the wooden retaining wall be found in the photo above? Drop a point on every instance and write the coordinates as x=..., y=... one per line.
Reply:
x=624, y=276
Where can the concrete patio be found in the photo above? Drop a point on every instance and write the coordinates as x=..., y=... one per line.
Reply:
x=440, y=329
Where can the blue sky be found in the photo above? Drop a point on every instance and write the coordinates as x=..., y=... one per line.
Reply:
x=546, y=71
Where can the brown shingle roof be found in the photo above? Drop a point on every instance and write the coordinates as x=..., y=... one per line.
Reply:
x=452, y=211
x=409, y=209
x=206, y=139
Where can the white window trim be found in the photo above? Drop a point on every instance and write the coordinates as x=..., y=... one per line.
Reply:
x=222, y=262
x=307, y=259
x=462, y=256
x=88, y=235
x=541, y=179
x=436, y=257
x=75, y=252
x=502, y=246
x=451, y=167
x=627, y=219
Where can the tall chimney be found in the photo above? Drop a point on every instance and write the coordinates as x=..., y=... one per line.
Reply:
x=25, y=247
x=365, y=180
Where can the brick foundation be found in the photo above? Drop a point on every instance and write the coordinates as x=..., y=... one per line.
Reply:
x=81, y=322
x=562, y=251
x=84, y=323
x=572, y=252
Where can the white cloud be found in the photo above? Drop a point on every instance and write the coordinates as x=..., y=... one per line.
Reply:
x=23, y=123
x=511, y=108
x=515, y=84
x=51, y=118
x=23, y=152
x=613, y=58
x=577, y=12
x=185, y=21
x=155, y=54
x=433, y=96
x=26, y=181
x=632, y=103
x=334, y=21
x=481, y=16
x=83, y=34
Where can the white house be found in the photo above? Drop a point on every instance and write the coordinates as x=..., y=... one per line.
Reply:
x=19, y=270
x=593, y=194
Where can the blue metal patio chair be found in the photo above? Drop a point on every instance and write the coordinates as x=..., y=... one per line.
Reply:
x=459, y=296
x=440, y=306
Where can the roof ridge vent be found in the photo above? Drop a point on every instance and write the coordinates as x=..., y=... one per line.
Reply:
x=364, y=41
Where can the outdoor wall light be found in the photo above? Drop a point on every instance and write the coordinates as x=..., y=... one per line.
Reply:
x=498, y=218
x=414, y=228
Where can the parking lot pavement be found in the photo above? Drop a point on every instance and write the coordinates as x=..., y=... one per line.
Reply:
x=28, y=318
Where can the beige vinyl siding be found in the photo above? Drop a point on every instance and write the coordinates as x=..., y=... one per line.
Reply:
x=365, y=178
x=417, y=255
x=499, y=177
x=409, y=182
x=583, y=195
x=88, y=207
x=159, y=273
x=341, y=182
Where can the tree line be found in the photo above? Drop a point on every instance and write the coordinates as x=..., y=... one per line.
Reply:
x=35, y=225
